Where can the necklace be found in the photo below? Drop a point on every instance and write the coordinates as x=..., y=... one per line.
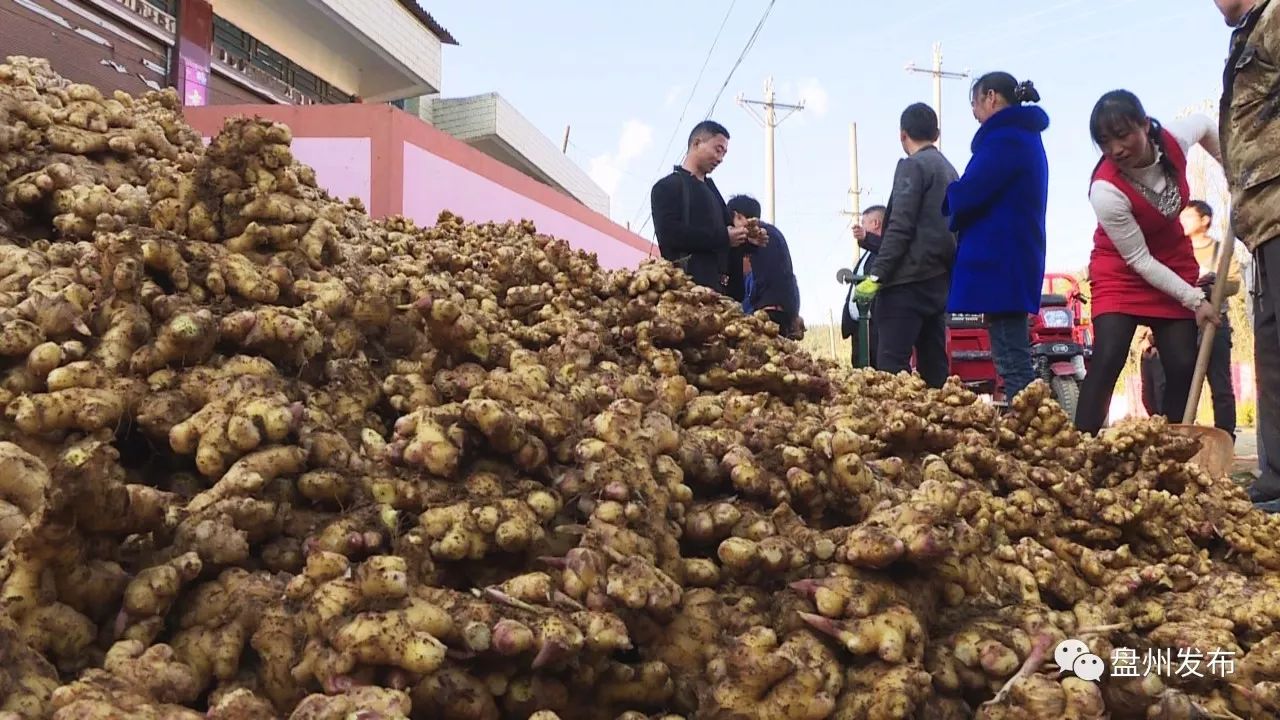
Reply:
x=1169, y=200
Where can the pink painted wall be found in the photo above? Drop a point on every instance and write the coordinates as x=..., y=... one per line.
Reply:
x=342, y=164
x=397, y=164
x=432, y=184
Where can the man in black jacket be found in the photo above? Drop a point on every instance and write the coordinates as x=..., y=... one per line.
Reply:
x=774, y=287
x=868, y=233
x=912, y=272
x=692, y=224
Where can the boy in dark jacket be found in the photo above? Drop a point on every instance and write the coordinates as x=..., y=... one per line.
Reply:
x=773, y=287
x=690, y=220
x=912, y=272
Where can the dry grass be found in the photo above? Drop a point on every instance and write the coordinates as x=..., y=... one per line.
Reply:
x=820, y=340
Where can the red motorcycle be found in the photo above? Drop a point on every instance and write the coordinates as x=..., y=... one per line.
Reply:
x=1061, y=344
x=1062, y=339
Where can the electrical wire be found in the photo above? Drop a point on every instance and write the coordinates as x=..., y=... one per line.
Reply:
x=689, y=100
x=1013, y=26
x=891, y=31
x=751, y=41
x=1114, y=32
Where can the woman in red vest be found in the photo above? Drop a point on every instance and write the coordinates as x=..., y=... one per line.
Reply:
x=1142, y=270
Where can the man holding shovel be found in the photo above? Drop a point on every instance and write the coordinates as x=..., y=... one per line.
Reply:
x=1250, y=138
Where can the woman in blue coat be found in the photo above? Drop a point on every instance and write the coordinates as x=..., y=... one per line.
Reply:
x=997, y=208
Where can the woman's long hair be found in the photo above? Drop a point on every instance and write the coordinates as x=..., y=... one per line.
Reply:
x=1119, y=112
x=1007, y=87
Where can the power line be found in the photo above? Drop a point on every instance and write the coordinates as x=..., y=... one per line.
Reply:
x=931, y=12
x=1080, y=41
x=1010, y=26
x=751, y=41
x=1034, y=33
x=689, y=100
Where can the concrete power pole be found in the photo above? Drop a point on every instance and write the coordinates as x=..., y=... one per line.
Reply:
x=855, y=188
x=855, y=191
x=771, y=121
x=938, y=75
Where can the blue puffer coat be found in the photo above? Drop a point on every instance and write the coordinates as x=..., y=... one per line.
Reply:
x=997, y=208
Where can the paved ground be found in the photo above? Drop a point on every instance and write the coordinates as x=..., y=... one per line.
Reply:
x=1246, y=451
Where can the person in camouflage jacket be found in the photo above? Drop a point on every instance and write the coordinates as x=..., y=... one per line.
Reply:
x=1250, y=138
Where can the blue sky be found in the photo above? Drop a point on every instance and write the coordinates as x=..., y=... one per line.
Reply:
x=620, y=74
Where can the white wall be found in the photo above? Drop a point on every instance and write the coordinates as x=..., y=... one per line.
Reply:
x=323, y=36
x=389, y=25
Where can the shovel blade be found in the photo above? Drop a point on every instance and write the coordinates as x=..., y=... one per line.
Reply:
x=1217, y=450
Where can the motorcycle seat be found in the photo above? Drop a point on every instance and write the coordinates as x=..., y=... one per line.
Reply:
x=1053, y=299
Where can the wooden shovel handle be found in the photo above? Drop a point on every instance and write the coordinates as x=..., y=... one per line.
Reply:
x=1206, y=337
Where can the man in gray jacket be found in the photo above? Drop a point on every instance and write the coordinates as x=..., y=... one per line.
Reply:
x=911, y=276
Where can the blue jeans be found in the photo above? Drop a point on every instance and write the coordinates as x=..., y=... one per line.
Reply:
x=1011, y=351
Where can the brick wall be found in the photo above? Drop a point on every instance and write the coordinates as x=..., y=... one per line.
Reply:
x=87, y=46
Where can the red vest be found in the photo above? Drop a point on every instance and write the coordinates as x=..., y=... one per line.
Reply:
x=1116, y=287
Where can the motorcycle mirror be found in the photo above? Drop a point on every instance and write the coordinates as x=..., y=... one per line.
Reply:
x=844, y=276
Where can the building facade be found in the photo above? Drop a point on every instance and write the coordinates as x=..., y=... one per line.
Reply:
x=284, y=52
x=295, y=52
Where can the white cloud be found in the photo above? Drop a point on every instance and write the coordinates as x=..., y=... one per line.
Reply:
x=814, y=96
x=673, y=94
x=607, y=170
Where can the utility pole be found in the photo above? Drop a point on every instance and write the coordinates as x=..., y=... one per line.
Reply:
x=831, y=332
x=855, y=188
x=564, y=147
x=938, y=75
x=855, y=191
x=771, y=121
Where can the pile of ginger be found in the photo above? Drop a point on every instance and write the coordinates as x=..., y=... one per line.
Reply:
x=264, y=457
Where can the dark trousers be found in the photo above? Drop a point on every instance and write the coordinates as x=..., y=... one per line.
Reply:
x=1152, y=383
x=1011, y=351
x=1266, y=359
x=913, y=317
x=1112, y=336
x=1219, y=376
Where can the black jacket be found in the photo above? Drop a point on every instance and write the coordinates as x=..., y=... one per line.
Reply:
x=918, y=243
x=773, y=277
x=870, y=245
x=691, y=223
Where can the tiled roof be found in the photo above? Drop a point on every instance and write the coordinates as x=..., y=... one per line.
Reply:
x=425, y=18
